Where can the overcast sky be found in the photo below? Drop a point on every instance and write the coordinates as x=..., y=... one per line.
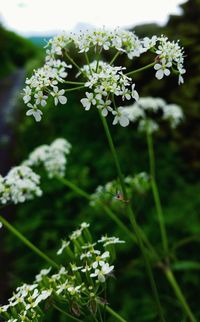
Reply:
x=29, y=17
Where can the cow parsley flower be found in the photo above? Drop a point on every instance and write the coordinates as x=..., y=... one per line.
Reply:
x=68, y=285
x=35, y=111
x=52, y=157
x=147, y=110
x=19, y=185
x=101, y=272
x=59, y=96
x=121, y=117
x=103, y=81
x=173, y=113
x=162, y=68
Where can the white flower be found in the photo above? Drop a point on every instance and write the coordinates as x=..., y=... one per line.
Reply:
x=20, y=184
x=102, y=272
x=173, y=113
x=53, y=157
x=134, y=93
x=105, y=107
x=162, y=69
x=100, y=259
x=27, y=96
x=40, y=98
x=149, y=42
x=121, y=117
x=37, y=113
x=88, y=101
x=59, y=96
x=42, y=273
x=148, y=125
x=110, y=240
x=65, y=244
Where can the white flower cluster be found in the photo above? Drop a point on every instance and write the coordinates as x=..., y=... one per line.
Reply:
x=52, y=157
x=78, y=285
x=104, y=82
x=43, y=83
x=19, y=185
x=139, y=183
x=122, y=40
x=147, y=108
x=171, y=56
x=103, y=79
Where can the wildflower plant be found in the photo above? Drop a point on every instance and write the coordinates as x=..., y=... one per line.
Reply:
x=76, y=287
x=79, y=284
x=102, y=81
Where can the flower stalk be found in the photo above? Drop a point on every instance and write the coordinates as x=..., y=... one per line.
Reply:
x=24, y=240
x=133, y=220
x=155, y=192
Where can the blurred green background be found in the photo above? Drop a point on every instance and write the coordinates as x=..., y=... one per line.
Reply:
x=48, y=219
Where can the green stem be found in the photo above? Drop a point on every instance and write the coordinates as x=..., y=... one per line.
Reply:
x=15, y=232
x=114, y=58
x=73, y=62
x=66, y=314
x=185, y=241
x=132, y=219
x=111, y=214
x=73, y=83
x=140, y=69
x=156, y=193
x=74, y=89
x=88, y=62
x=113, y=313
x=171, y=278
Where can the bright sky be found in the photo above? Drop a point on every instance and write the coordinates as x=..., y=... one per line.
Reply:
x=49, y=16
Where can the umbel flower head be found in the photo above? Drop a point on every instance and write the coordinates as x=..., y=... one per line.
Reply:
x=101, y=81
x=110, y=192
x=19, y=185
x=78, y=285
x=147, y=109
x=52, y=157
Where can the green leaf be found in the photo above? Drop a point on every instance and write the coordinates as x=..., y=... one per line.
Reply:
x=186, y=265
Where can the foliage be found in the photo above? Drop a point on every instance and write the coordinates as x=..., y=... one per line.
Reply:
x=16, y=51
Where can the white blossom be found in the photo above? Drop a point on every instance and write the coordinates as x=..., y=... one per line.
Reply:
x=121, y=117
x=59, y=96
x=162, y=68
x=19, y=185
x=35, y=111
x=101, y=272
x=52, y=157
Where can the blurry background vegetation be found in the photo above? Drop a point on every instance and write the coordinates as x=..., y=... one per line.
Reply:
x=48, y=219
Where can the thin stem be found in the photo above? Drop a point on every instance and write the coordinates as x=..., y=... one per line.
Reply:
x=185, y=241
x=66, y=314
x=15, y=232
x=113, y=313
x=73, y=62
x=140, y=69
x=74, y=89
x=88, y=62
x=132, y=219
x=171, y=278
x=114, y=58
x=156, y=193
x=73, y=83
x=109, y=212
